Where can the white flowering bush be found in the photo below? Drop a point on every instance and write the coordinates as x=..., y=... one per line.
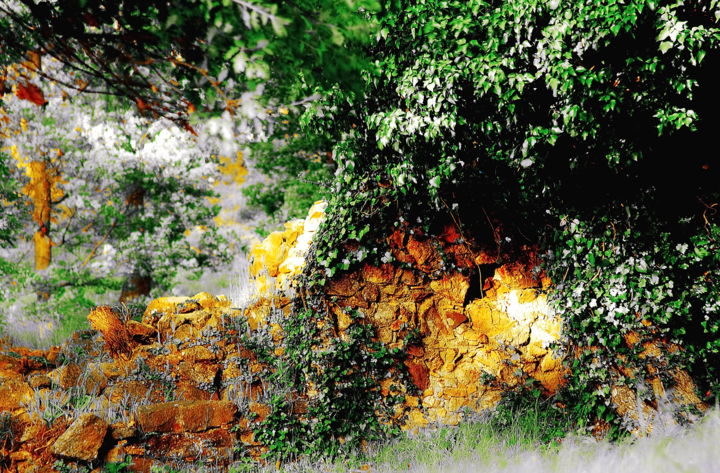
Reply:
x=127, y=198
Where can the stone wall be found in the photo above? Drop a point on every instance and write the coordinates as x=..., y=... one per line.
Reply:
x=178, y=386
x=187, y=382
x=483, y=320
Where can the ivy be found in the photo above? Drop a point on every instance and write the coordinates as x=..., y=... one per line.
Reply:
x=340, y=404
x=583, y=127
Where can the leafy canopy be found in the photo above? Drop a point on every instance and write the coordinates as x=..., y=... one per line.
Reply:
x=171, y=57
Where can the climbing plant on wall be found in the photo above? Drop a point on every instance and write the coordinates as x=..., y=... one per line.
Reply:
x=586, y=128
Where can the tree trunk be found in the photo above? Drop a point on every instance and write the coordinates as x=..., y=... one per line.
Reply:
x=138, y=283
x=39, y=190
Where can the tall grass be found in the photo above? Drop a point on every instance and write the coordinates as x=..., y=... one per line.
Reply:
x=529, y=444
x=478, y=448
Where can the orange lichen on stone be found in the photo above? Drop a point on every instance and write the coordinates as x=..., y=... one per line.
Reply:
x=468, y=332
x=185, y=416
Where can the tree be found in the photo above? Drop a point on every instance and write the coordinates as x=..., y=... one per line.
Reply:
x=177, y=58
x=171, y=57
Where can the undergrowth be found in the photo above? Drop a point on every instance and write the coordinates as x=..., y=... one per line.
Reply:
x=531, y=440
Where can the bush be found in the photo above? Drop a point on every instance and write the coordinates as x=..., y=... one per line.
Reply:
x=581, y=127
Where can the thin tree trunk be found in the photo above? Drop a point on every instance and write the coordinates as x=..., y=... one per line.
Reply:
x=39, y=190
x=138, y=283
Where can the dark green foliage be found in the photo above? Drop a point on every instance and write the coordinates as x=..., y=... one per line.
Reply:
x=586, y=128
x=119, y=467
x=9, y=221
x=6, y=430
x=163, y=55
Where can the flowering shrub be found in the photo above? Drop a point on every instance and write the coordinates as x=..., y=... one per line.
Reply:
x=126, y=206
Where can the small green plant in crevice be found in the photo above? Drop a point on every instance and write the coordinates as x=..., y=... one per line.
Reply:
x=52, y=404
x=119, y=467
x=164, y=380
x=327, y=399
x=63, y=467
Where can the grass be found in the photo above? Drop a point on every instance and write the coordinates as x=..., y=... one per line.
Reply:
x=522, y=448
x=529, y=444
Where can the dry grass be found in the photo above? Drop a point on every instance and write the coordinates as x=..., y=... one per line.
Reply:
x=115, y=333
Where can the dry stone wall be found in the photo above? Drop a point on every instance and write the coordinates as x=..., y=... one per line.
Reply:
x=178, y=386
x=481, y=327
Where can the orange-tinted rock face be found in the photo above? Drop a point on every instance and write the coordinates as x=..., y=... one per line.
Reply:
x=14, y=393
x=482, y=325
x=82, y=439
x=185, y=416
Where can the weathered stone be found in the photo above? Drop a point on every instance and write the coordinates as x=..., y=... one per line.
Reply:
x=38, y=380
x=172, y=322
x=82, y=440
x=424, y=253
x=124, y=390
x=198, y=353
x=418, y=373
x=117, y=453
x=415, y=350
x=474, y=336
x=346, y=286
x=11, y=362
x=141, y=332
x=343, y=320
x=214, y=443
x=208, y=301
x=65, y=376
x=260, y=410
x=82, y=345
x=378, y=275
x=185, y=416
x=162, y=306
x=452, y=287
x=14, y=393
x=122, y=430
x=33, y=427
x=416, y=418
x=188, y=391
x=93, y=380
x=116, y=369
x=232, y=369
x=455, y=318
x=186, y=332
x=199, y=373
